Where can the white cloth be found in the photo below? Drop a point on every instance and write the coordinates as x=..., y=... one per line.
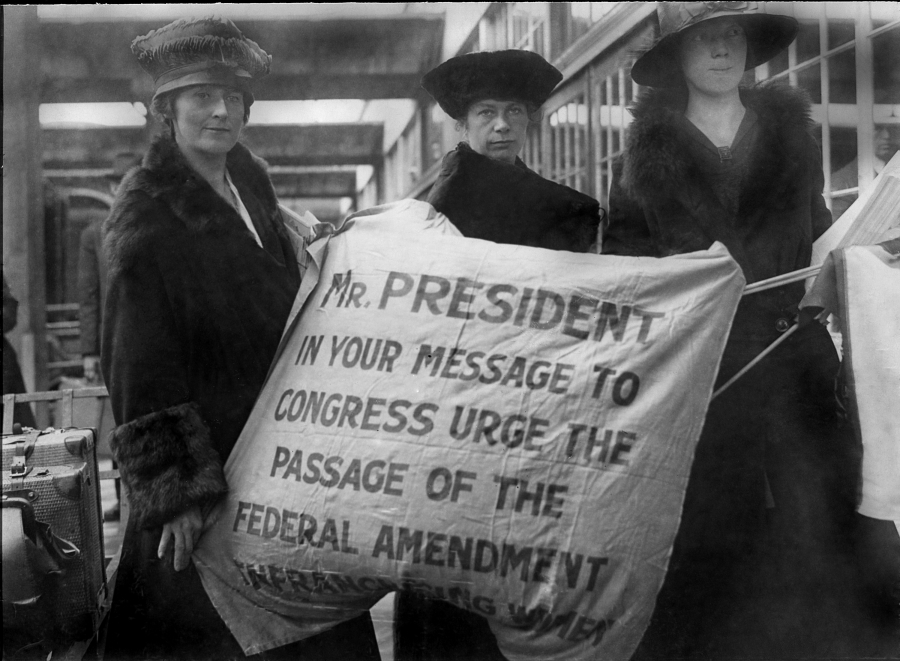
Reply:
x=503, y=427
x=248, y=221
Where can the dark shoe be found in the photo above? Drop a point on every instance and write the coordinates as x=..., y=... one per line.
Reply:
x=112, y=513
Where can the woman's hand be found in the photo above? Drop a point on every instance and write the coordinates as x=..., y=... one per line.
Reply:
x=185, y=529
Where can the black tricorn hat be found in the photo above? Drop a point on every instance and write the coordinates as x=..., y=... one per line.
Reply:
x=502, y=75
x=197, y=51
x=660, y=65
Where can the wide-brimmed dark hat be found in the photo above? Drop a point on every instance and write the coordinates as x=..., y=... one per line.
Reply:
x=767, y=35
x=508, y=75
x=200, y=51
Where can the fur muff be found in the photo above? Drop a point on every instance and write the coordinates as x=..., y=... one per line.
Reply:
x=168, y=462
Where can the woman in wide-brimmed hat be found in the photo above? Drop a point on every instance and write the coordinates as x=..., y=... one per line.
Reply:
x=709, y=160
x=488, y=193
x=201, y=277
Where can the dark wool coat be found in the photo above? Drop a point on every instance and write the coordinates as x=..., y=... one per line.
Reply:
x=91, y=287
x=194, y=313
x=495, y=201
x=779, y=424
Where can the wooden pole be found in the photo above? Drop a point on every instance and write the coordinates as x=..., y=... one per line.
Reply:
x=23, y=208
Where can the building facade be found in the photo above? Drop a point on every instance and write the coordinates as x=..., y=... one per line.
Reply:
x=846, y=56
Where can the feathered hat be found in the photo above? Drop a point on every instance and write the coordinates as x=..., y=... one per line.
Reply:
x=502, y=75
x=767, y=35
x=200, y=51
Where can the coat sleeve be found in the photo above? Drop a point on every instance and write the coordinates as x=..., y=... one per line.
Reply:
x=89, y=293
x=626, y=230
x=162, y=443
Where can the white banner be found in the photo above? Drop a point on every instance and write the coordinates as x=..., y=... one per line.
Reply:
x=506, y=428
x=869, y=310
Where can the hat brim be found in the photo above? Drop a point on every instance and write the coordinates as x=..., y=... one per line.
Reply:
x=767, y=35
x=225, y=77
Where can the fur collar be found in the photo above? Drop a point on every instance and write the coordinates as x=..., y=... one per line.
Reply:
x=166, y=182
x=657, y=169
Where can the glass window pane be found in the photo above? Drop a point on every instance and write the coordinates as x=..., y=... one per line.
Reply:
x=886, y=60
x=842, y=77
x=883, y=13
x=810, y=79
x=886, y=112
x=844, y=168
x=581, y=11
x=843, y=149
x=840, y=32
x=579, y=20
x=778, y=63
x=808, y=40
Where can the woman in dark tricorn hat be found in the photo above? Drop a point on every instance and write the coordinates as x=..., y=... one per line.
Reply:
x=488, y=193
x=709, y=160
x=201, y=278
x=483, y=187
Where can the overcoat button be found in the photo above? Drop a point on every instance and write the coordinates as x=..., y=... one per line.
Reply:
x=782, y=325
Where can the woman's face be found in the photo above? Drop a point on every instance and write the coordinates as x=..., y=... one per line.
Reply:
x=713, y=55
x=496, y=129
x=208, y=119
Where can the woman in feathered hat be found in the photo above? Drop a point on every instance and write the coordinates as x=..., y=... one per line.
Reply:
x=488, y=193
x=201, y=278
x=708, y=160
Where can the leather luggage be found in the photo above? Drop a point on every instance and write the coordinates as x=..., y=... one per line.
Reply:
x=53, y=560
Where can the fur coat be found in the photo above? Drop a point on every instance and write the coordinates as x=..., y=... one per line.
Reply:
x=504, y=203
x=779, y=427
x=661, y=202
x=194, y=314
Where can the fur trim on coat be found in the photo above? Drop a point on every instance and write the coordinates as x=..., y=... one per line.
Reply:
x=662, y=201
x=168, y=462
x=658, y=165
x=166, y=178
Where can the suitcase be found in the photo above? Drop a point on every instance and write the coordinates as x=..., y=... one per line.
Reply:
x=54, y=475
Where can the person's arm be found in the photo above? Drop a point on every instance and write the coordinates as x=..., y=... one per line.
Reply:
x=89, y=300
x=626, y=231
x=162, y=444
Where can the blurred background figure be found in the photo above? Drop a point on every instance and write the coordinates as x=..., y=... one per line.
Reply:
x=12, y=374
x=885, y=145
x=92, y=278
